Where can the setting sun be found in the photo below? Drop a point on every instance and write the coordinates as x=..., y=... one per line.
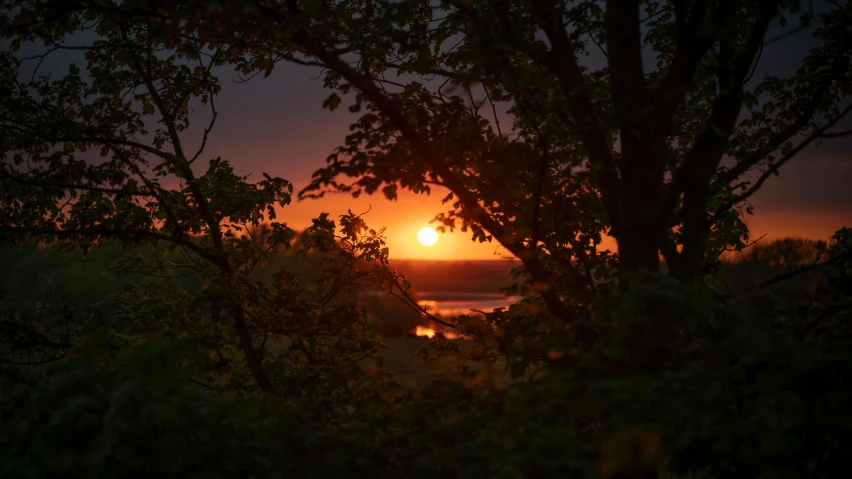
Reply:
x=427, y=236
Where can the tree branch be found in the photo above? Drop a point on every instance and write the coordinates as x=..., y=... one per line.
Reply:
x=690, y=49
x=425, y=152
x=785, y=134
x=693, y=178
x=627, y=77
x=773, y=169
x=562, y=61
x=707, y=151
x=179, y=158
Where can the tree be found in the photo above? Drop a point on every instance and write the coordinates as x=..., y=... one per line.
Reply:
x=658, y=159
x=97, y=155
x=787, y=252
x=658, y=374
x=605, y=141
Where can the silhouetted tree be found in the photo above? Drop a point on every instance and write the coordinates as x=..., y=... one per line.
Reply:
x=658, y=375
x=76, y=173
x=787, y=252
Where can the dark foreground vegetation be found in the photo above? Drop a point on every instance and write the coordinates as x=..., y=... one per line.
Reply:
x=32, y=275
x=226, y=361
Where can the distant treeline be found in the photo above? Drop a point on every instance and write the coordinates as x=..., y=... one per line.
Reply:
x=33, y=274
x=471, y=276
x=25, y=272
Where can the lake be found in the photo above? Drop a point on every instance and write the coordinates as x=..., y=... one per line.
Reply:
x=449, y=288
x=448, y=303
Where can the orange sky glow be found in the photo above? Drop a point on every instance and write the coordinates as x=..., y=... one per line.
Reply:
x=403, y=218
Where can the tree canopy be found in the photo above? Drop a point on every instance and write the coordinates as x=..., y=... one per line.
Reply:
x=626, y=372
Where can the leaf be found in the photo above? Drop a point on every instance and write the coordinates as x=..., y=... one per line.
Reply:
x=332, y=102
x=266, y=65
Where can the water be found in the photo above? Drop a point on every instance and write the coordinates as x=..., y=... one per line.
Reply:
x=447, y=303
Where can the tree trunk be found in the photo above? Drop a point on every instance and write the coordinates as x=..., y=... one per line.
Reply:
x=637, y=250
x=638, y=229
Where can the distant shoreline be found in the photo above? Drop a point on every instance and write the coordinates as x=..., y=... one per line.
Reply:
x=430, y=260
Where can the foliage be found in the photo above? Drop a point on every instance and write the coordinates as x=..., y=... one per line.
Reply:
x=786, y=252
x=547, y=189
x=131, y=413
x=35, y=276
x=841, y=244
x=739, y=396
x=85, y=416
x=207, y=222
x=620, y=371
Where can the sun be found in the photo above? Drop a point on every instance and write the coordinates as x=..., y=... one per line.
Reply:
x=427, y=236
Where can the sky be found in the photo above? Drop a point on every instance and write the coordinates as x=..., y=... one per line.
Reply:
x=276, y=125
